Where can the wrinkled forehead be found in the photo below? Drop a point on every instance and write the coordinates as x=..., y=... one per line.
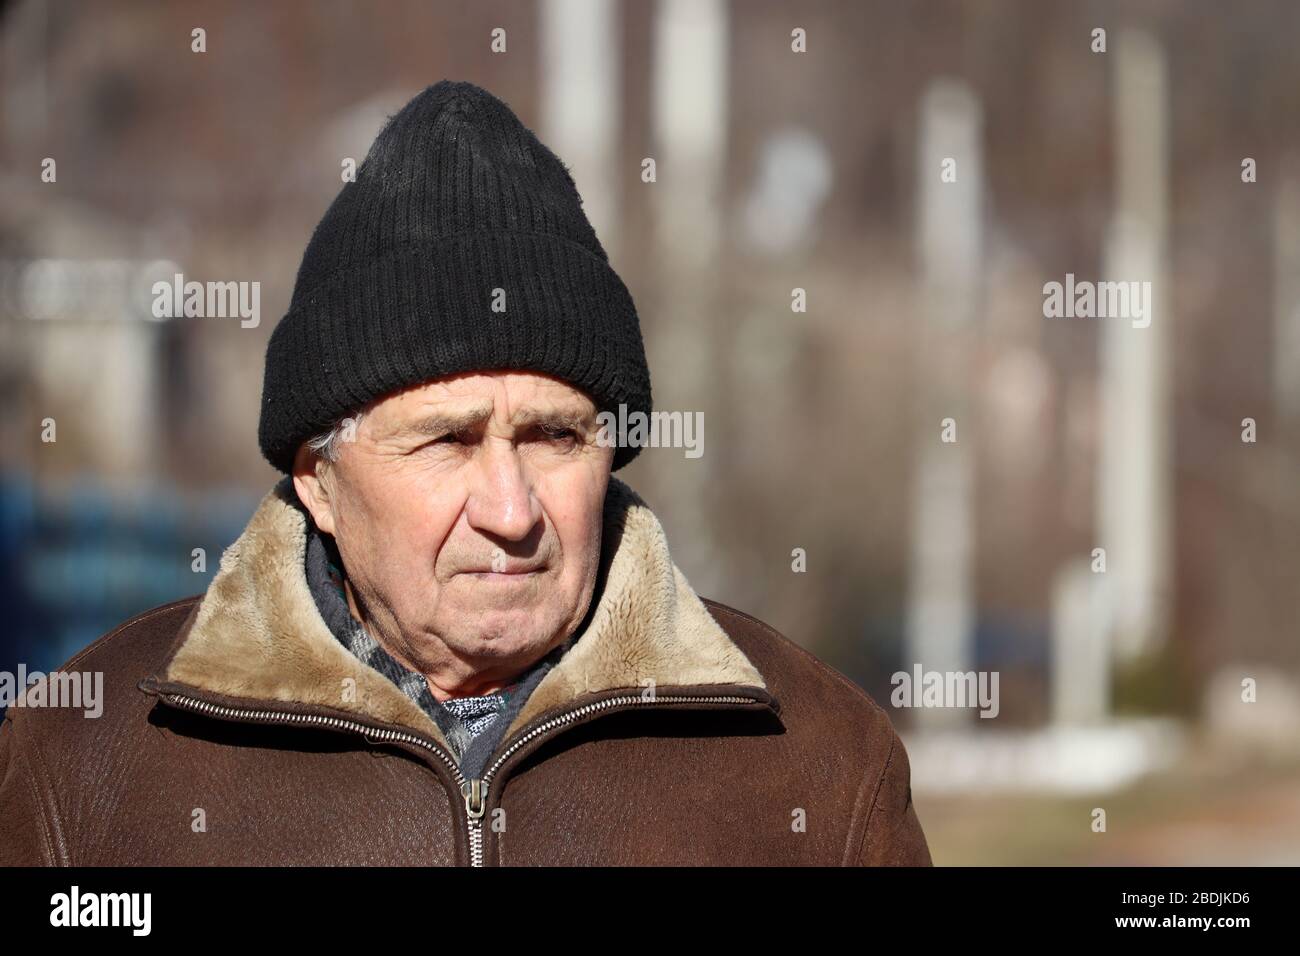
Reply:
x=470, y=400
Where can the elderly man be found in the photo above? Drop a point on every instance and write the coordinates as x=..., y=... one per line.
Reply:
x=449, y=635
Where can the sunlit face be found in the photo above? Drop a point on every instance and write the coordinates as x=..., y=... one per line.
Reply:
x=467, y=512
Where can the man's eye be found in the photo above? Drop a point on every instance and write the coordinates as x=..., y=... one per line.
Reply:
x=560, y=434
x=447, y=440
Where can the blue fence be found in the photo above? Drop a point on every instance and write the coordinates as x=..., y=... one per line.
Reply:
x=76, y=562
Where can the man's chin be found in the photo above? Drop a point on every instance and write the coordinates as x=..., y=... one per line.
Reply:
x=500, y=632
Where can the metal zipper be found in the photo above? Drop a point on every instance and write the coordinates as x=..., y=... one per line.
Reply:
x=480, y=787
x=474, y=791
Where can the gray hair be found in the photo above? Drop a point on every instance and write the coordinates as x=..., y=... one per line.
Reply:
x=326, y=444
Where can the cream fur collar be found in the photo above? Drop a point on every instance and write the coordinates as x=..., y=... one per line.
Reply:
x=257, y=634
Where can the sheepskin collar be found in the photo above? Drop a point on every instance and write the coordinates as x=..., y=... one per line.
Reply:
x=257, y=635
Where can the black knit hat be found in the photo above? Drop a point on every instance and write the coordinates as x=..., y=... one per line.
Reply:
x=456, y=199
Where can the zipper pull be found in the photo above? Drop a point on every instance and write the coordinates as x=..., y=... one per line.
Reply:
x=475, y=794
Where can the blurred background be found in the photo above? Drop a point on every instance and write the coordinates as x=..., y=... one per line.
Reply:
x=839, y=256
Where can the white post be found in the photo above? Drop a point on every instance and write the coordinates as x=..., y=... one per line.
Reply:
x=580, y=94
x=1134, y=484
x=1080, y=681
x=949, y=224
x=690, y=122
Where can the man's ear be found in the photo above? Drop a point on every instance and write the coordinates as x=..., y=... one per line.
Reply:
x=311, y=481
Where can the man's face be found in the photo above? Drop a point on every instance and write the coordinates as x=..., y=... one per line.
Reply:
x=468, y=513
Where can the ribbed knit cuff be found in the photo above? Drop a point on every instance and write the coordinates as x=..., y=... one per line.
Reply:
x=425, y=311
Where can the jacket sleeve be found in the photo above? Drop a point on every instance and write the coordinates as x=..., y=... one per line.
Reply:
x=25, y=830
x=893, y=834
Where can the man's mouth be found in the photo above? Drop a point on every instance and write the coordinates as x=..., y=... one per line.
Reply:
x=506, y=573
x=493, y=579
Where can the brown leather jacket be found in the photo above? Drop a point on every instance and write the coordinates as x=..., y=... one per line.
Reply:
x=236, y=730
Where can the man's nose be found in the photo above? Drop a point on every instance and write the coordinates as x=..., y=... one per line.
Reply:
x=501, y=502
